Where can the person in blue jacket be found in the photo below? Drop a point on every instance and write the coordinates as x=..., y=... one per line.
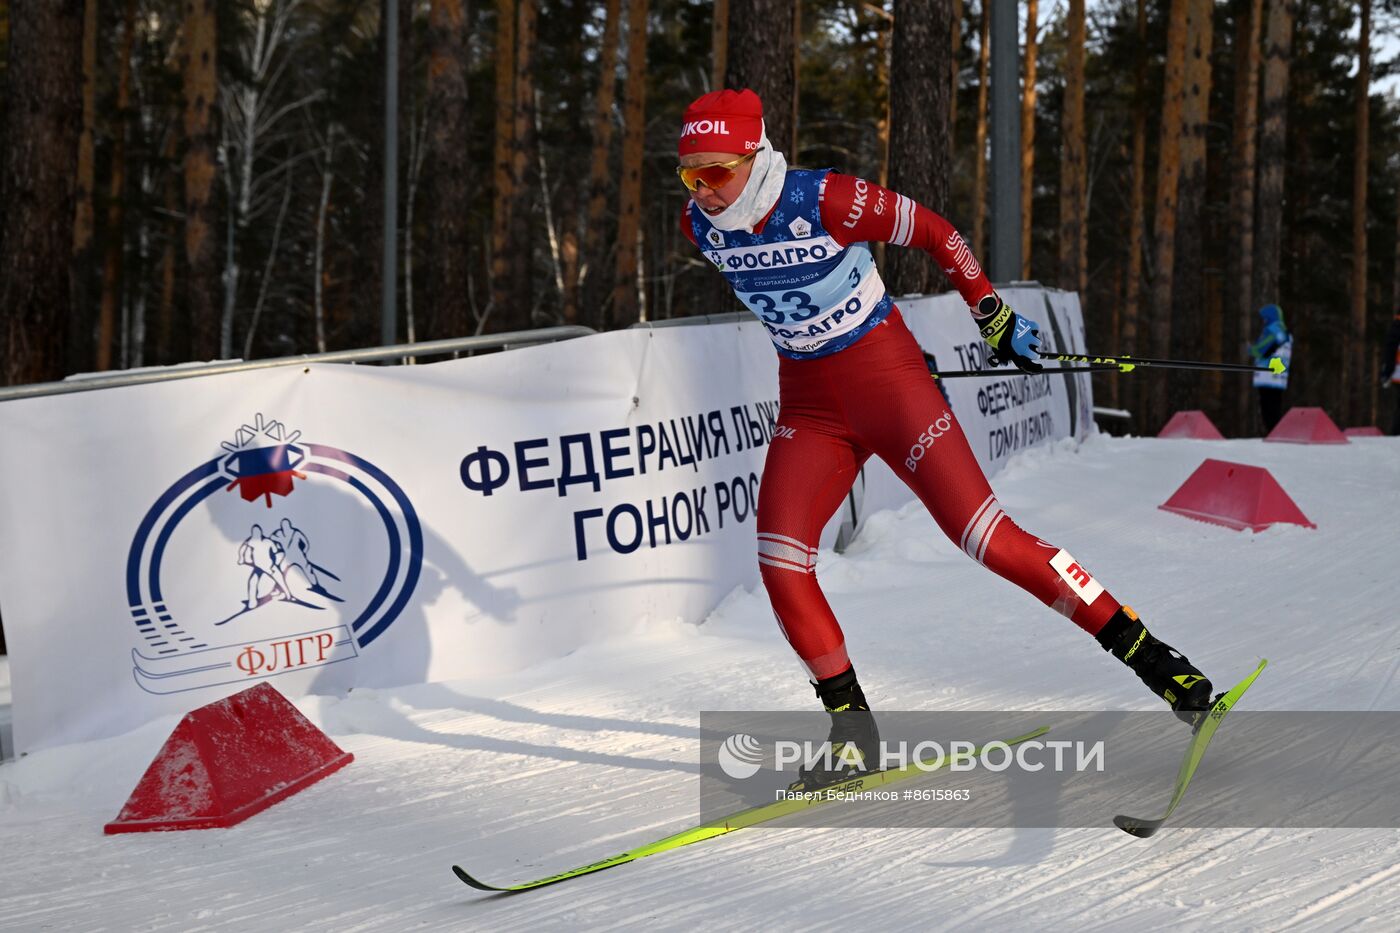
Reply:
x=1274, y=340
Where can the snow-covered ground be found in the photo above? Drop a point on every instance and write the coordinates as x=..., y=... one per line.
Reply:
x=588, y=755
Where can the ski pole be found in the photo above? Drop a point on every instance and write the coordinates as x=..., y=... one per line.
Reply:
x=1012, y=371
x=1128, y=363
x=936, y=373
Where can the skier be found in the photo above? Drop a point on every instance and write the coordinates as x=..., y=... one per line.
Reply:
x=294, y=549
x=1274, y=340
x=265, y=556
x=794, y=245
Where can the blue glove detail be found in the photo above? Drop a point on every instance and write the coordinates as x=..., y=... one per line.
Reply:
x=1014, y=339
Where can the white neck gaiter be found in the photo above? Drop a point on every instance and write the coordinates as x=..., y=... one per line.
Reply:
x=761, y=191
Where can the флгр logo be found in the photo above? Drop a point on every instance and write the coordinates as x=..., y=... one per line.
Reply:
x=278, y=555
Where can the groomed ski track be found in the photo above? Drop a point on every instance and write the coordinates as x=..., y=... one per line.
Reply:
x=579, y=758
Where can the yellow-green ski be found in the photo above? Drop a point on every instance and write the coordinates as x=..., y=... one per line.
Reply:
x=1194, y=753
x=740, y=820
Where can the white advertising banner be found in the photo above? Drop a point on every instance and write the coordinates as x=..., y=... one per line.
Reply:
x=330, y=526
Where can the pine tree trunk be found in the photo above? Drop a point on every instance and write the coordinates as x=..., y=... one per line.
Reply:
x=1239, y=309
x=43, y=118
x=200, y=68
x=1189, y=320
x=1137, y=218
x=1028, y=136
x=719, y=42
x=150, y=171
x=112, y=263
x=1268, y=245
x=919, y=145
x=1074, y=168
x=166, y=350
x=953, y=76
x=596, y=285
x=318, y=267
x=84, y=251
x=365, y=272
x=1164, y=226
x=626, y=308
x=1395, y=267
x=979, y=170
x=793, y=150
x=524, y=162
x=407, y=108
x=883, y=35
x=1358, y=379
x=503, y=177
x=572, y=194
x=450, y=179
x=762, y=56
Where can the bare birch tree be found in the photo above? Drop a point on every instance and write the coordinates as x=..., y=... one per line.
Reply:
x=318, y=266
x=253, y=109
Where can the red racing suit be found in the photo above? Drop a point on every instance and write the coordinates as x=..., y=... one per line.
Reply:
x=852, y=382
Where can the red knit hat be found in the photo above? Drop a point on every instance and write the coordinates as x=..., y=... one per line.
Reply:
x=723, y=121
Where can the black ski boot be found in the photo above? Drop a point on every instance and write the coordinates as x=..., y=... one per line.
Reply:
x=1165, y=670
x=854, y=737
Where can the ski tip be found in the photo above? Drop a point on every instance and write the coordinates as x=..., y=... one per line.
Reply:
x=1136, y=827
x=468, y=879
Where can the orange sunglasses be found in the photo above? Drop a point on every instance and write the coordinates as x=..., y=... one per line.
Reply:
x=712, y=174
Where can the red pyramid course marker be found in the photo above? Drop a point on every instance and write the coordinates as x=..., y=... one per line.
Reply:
x=1192, y=424
x=227, y=761
x=1235, y=495
x=1369, y=430
x=1307, y=426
